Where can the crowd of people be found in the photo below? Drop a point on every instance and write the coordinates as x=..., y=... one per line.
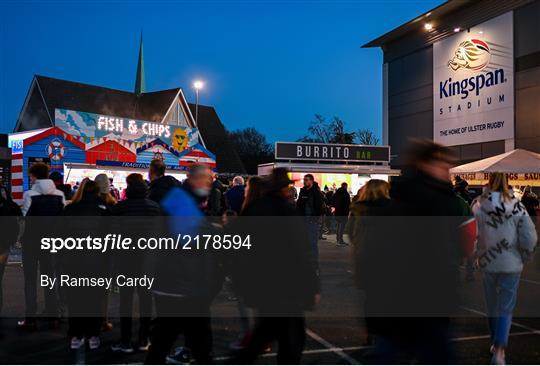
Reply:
x=409, y=295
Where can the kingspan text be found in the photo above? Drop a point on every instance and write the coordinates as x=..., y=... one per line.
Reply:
x=474, y=84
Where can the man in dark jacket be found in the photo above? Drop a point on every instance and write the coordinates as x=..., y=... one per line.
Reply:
x=216, y=199
x=43, y=199
x=160, y=184
x=414, y=271
x=235, y=196
x=310, y=204
x=280, y=293
x=186, y=281
x=58, y=180
x=341, y=202
x=131, y=264
x=460, y=188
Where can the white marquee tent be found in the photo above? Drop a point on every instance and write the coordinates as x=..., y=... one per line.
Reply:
x=515, y=161
x=522, y=166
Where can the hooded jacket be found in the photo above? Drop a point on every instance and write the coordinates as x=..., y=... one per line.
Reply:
x=506, y=233
x=42, y=187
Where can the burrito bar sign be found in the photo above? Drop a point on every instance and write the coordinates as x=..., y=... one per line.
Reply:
x=331, y=152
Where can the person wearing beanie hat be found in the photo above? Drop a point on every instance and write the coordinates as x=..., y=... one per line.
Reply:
x=104, y=189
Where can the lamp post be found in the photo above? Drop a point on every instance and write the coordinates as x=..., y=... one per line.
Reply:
x=197, y=85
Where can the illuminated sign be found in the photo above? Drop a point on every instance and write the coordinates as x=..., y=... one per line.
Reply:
x=331, y=152
x=114, y=124
x=92, y=126
x=473, y=84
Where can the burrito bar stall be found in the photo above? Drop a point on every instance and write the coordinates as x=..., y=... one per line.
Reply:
x=85, y=144
x=332, y=164
x=522, y=166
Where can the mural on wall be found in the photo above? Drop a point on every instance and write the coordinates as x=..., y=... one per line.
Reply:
x=87, y=138
x=90, y=127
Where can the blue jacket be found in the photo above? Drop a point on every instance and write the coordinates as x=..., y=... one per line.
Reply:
x=235, y=198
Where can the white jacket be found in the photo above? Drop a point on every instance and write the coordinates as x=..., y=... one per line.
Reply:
x=506, y=233
x=41, y=186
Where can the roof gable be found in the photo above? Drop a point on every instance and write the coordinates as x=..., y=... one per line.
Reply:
x=65, y=94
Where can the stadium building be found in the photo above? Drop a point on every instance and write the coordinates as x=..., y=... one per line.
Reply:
x=465, y=74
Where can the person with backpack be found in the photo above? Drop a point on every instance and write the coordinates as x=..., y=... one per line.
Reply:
x=506, y=240
x=43, y=199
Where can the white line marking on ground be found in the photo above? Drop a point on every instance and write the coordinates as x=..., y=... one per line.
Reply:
x=359, y=348
x=330, y=346
x=522, y=326
x=530, y=281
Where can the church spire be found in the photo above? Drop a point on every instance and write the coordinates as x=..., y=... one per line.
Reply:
x=140, y=84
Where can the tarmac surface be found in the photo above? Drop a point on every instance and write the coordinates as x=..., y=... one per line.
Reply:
x=335, y=334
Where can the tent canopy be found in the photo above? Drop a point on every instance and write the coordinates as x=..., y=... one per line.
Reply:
x=516, y=161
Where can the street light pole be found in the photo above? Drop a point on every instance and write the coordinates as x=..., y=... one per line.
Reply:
x=197, y=85
x=197, y=107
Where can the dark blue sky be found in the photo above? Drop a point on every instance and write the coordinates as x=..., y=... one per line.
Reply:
x=270, y=64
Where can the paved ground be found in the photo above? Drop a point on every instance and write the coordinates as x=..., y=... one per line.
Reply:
x=335, y=334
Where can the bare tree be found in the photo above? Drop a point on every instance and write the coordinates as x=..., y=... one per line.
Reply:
x=366, y=137
x=339, y=135
x=319, y=131
x=333, y=132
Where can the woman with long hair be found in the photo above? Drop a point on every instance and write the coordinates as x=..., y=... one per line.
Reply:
x=77, y=196
x=254, y=190
x=85, y=304
x=506, y=239
x=365, y=230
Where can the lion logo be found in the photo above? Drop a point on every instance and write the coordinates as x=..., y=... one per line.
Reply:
x=471, y=54
x=179, y=139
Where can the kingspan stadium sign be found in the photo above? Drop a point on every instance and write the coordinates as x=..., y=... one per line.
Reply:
x=473, y=84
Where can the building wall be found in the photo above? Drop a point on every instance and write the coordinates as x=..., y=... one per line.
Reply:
x=410, y=84
x=527, y=53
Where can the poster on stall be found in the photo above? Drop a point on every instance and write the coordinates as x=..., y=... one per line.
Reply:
x=473, y=84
